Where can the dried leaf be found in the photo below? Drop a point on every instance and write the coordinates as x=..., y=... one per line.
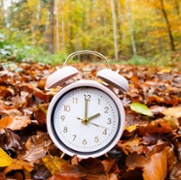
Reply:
x=36, y=148
x=19, y=122
x=14, y=142
x=5, y=122
x=5, y=160
x=54, y=163
x=18, y=165
x=173, y=111
x=62, y=169
x=156, y=167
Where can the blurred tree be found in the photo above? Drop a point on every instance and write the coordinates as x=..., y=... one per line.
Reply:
x=114, y=22
x=131, y=28
x=51, y=36
x=127, y=27
x=168, y=25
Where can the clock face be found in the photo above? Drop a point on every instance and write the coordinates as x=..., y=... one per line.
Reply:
x=85, y=121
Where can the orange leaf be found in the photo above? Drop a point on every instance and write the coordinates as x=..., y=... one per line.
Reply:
x=5, y=122
x=18, y=165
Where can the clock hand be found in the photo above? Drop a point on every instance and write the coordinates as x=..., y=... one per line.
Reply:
x=86, y=120
x=86, y=107
x=97, y=125
x=92, y=117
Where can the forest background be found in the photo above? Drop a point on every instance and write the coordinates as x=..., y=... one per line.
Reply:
x=141, y=31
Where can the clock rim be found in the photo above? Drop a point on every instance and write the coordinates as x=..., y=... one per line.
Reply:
x=79, y=84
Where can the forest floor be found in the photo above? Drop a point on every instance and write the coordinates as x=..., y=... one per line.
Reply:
x=150, y=147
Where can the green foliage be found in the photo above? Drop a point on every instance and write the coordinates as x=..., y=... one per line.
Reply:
x=138, y=60
x=26, y=53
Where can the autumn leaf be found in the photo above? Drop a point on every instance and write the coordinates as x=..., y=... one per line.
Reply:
x=173, y=111
x=18, y=165
x=36, y=148
x=5, y=160
x=5, y=122
x=141, y=108
x=54, y=164
x=62, y=169
x=144, y=146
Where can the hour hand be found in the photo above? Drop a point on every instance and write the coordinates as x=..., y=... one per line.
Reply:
x=92, y=117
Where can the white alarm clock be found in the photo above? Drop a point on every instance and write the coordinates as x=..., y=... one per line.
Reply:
x=86, y=118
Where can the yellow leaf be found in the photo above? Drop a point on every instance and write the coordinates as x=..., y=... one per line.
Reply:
x=54, y=163
x=5, y=160
x=131, y=128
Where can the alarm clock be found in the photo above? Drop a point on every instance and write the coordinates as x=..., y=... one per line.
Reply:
x=86, y=118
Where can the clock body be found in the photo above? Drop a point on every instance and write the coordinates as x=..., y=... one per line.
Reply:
x=85, y=119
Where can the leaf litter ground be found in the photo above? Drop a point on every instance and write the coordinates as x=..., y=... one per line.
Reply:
x=150, y=147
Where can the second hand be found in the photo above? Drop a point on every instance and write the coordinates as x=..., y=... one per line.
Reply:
x=97, y=125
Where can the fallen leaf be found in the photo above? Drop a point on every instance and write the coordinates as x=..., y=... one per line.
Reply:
x=5, y=122
x=36, y=148
x=5, y=159
x=156, y=167
x=14, y=142
x=173, y=111
x=54, y=163
x=140, y=108
x=60, y=168
x=19, y=122
x=131, y=145
x=18, y=165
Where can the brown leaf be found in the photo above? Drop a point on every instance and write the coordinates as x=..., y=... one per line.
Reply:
x=36, y=148
x=19, y=122
x=62, y=169
x=131, y=145
x=40, y=171
x=176, y=171
x=40, y=112
x=14, y=142
x=34, y=91
x=173, y=111
x=6, y=91
x=63, y=177
x=155, y=127
x=110, y=166
x=155, y=164
x=156, y=167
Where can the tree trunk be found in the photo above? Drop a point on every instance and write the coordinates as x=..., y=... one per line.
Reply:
x=63, y=24
x=51, y=36
x=114, y=29
x=2, y=18
x=57, y=27
x=177, y=7
x=172, y=46
x=131, y=28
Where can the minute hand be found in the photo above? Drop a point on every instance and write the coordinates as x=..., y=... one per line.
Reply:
x=94, y=116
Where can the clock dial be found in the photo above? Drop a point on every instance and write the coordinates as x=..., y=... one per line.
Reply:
x=85, y=120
